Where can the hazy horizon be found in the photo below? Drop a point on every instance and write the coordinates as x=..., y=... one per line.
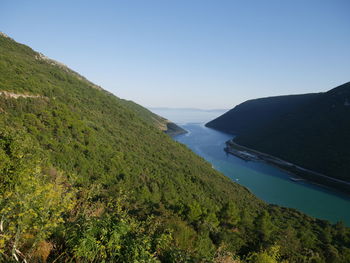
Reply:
x=185, y=108
x=191, y=54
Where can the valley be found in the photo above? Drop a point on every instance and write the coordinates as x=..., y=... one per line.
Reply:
x=309, y=130
x=89, y=177
x=269, y=183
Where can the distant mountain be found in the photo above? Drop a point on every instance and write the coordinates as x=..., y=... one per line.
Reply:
x=187, y=115
x=186, y=109
x=311, y=130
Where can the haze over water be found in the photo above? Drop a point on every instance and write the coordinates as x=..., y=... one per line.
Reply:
x=267, y=182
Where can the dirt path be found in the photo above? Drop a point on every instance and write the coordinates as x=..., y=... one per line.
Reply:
x=18, y=95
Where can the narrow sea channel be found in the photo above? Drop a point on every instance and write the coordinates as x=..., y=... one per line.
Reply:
x=267, y=182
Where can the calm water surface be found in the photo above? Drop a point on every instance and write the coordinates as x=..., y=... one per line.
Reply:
x=267, y=182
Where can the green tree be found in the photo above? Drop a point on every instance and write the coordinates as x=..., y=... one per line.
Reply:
x=264, y=227
x=32, y=203
x=230, y=214
x=194, y=211
x=270, y=255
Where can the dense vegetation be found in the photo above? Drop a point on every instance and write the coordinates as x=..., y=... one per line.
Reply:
x=163, y=124
x=86, y=178
x=253, y=115
x=311, y=130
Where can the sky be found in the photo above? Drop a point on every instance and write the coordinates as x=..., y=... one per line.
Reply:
x=191, y=53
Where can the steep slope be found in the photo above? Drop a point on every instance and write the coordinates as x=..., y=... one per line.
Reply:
x=254, y=114
x=316, y=136
x=163, y=124
x=85, y=178
x=311, y=130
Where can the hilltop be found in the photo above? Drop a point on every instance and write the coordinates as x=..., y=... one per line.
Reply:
x=254, y=114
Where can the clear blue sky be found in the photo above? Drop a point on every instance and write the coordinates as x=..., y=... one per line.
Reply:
x=191, y=53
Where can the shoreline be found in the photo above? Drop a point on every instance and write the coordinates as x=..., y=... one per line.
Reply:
x=298, y=173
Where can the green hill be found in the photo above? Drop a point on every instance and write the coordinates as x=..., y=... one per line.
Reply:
x=311, y=130
x=88, y=177
x=163, y=124
x=254, y=114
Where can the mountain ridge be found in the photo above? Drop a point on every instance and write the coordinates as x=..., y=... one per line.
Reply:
x=270, y=108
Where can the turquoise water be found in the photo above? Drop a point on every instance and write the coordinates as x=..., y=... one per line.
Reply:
x=267, y=182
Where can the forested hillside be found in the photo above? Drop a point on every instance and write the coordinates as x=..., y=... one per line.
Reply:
x=163, y=124
x=253, y=115
x=311, y=130
x=85, y=177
